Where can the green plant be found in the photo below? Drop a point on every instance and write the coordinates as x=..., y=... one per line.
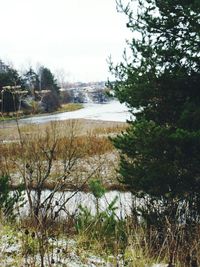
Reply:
x=8, y=198
x=159, y=152
x=103, y=226
x=97, y=190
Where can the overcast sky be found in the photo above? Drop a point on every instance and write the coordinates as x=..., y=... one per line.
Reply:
x=77, y=36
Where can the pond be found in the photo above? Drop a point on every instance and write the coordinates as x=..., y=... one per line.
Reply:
x=123, y=202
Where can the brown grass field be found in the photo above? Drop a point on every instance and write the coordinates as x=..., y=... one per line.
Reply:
x=83, y=142
x=9, y=130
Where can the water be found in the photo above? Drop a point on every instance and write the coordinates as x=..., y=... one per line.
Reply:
x=112, y=111
x=123, y=203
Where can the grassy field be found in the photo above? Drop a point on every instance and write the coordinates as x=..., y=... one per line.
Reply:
x=9, y=130
x=87, y=140
x=70, y=107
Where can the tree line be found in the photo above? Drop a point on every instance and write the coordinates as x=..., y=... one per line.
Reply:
x=13, y=85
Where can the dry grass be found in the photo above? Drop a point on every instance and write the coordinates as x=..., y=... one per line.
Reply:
x=89, y=142
x=33, y=136
x=9, y=130
x=137, y=251
x=70, y=107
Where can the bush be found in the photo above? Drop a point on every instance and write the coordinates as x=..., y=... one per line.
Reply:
x=50, y=102
x=103, y=226
x=8, y=198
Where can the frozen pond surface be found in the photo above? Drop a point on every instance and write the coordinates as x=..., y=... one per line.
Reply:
x=123, y=202
x=112, y=111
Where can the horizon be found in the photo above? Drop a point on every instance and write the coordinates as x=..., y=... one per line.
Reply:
x=72, y=39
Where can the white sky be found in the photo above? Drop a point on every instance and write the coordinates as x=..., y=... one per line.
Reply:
x=77, y=36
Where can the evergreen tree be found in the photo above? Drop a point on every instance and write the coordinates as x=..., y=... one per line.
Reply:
x=47, y=80
x=50, y=100
x=31, y=80
x=161, y=86
x=9, y=77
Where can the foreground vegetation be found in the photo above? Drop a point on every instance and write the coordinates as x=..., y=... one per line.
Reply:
x=58, y=156
x=159, y=153
x=77, y=155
